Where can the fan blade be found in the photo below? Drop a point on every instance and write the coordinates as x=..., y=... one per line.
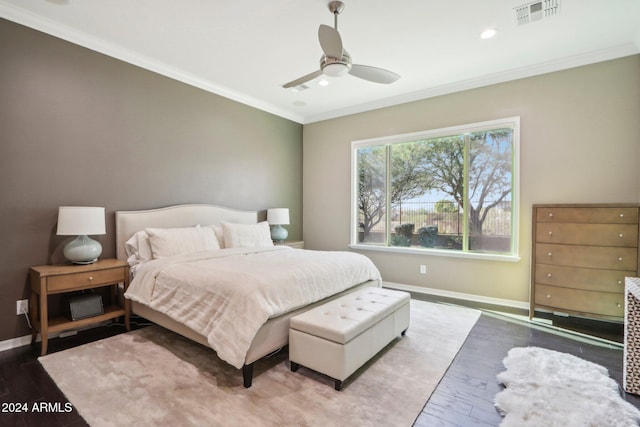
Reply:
x=330, y=41
x=373, y=74
x=304, y=79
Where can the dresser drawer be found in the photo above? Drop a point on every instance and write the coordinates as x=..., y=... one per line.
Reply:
x=590, y=279
x=587, y=256
x=601, y=215
x=90, y=279
x=588, y=234
x=585, y=302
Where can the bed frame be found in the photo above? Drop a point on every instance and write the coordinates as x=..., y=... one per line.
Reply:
x=273, y=335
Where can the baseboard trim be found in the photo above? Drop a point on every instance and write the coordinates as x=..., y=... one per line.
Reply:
x=478, y=299
x=15, y=342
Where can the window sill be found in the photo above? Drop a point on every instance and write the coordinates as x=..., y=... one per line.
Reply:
x=438, y=252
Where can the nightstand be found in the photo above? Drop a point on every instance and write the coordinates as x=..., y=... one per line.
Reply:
x=291, y=243
x=57, y=279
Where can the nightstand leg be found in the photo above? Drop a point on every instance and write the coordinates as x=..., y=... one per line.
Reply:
x=33, y=316
x=44, y=320
x=127, y=314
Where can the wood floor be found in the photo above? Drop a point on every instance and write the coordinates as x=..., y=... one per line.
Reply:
x=463, y=398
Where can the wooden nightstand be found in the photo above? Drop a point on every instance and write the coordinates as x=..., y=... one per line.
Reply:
x=291, y=243
x=56, y=279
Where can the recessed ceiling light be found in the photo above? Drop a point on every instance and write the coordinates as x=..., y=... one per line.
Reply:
x=323, y=82
x=488, y=33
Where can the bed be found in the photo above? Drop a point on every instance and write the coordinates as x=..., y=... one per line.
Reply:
x=160, y=287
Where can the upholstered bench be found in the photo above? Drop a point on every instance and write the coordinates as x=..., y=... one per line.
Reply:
x=340, y=336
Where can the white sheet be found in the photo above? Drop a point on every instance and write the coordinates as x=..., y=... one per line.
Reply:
x=227, y=295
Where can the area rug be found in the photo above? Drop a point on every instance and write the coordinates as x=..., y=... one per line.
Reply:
x=152, y=377
x=550, y=388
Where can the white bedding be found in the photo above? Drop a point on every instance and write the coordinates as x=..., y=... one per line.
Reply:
x=228, y=294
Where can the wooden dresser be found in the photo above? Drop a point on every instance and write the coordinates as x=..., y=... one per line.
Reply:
x=581, y=255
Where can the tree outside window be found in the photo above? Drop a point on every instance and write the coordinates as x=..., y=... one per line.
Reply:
x=450, y=189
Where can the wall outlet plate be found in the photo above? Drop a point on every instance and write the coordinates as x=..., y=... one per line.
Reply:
x=22, y=307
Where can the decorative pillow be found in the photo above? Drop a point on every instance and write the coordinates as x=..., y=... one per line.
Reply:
x=138, y=248
x=166, y=242
x=246, y=235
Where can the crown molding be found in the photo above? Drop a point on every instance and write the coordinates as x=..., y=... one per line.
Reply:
x=37, y=22
x=487, y=80
x=55, y=29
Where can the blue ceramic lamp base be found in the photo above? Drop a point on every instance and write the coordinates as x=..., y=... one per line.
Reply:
x=279, y=233
x=82, y=250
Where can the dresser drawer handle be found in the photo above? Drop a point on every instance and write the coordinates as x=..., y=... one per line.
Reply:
x=620, y=235
x=619, y=258
x=619, y=282
x=550, y=214
x=548, y=295
x=621, y=215
x=551, y=233
x=549, y=254
x=619, y=305
x=548, y=274
x=90, y=278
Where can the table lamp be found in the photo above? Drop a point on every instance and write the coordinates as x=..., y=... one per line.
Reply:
x=278, y=217
x=81, y=221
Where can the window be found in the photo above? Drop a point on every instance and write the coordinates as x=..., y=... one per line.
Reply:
x=449, y=191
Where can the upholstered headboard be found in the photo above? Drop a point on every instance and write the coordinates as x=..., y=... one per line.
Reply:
x=129, y=222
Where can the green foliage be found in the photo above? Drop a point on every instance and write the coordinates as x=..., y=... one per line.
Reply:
x=399, y=240
x=427, y=236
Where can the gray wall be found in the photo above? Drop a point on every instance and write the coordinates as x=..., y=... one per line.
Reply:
x=81, y=128
x=580, y=143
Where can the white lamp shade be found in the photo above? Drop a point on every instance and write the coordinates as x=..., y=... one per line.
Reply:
x=80, y=220
x=278, y=216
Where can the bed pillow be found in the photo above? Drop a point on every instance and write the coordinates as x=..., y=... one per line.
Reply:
x=246, y=235
x=217, y=229
x=138, y=248
x=166, y=242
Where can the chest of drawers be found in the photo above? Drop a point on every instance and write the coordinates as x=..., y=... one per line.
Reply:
x=580, y=257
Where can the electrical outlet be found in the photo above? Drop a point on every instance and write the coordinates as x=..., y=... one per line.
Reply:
x=423, y=269
x=22, y=306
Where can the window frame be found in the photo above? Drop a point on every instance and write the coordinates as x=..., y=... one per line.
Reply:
x=511, y=122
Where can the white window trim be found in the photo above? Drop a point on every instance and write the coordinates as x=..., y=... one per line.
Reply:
x=473, y=127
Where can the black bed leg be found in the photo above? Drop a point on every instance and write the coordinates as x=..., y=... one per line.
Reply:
x=294, y=366
x=247, y=375
x=403, y=332
x=338, y=385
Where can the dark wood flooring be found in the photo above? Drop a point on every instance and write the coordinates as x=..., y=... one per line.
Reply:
x=463, y=398
x=465, y=394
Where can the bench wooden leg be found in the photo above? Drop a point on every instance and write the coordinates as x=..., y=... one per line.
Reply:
x=247, y=375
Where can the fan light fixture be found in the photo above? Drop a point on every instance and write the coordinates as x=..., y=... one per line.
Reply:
x=336, y=69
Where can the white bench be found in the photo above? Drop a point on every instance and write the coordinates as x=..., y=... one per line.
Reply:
x=340, y=336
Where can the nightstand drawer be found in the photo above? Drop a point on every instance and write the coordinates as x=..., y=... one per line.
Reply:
x=89, y=279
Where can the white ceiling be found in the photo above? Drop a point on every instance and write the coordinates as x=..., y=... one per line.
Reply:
x=247, y=49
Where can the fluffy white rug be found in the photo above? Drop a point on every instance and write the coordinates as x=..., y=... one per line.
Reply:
x=549, y=388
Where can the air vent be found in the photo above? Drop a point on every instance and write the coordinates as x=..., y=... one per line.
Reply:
x=299, y=88
x=536, y=11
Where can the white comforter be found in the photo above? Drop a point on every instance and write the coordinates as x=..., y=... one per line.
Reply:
x=227, y=295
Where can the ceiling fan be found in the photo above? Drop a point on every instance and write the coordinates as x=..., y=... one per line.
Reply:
x=336, y=61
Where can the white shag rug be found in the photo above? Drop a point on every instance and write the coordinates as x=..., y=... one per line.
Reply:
x=550, y=388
